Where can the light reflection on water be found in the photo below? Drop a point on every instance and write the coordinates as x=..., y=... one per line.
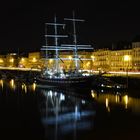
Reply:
x=19, y=117
x=64, y=114
x=69, y=114
x=12, y=84
x=15, y=85
x=1, y=83
x=119, y=99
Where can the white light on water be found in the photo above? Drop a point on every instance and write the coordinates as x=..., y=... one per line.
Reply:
x=50, y=93
x=62, y=97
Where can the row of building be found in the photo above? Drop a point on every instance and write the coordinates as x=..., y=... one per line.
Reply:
x=100, y=60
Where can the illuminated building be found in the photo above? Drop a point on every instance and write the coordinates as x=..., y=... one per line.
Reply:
x=117, y=62
x=34, y=60
x=98, y=60
x=136, y=56
x=113, y=60
x=11, y=60
x=2, y=60
x=23, y=62
x=85, y=61
x=101, y=60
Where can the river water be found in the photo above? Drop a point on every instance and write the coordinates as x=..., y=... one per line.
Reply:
x=30, y=112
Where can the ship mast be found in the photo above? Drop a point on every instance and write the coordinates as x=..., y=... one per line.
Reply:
x=55, y=47
x=75, y=45
x=63, y=47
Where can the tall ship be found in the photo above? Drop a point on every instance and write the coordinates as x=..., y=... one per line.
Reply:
x=57, y=75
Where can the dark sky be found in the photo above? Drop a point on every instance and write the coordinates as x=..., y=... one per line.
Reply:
x=22, y=23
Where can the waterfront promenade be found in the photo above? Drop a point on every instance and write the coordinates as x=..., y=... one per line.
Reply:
x=19, y=69
x=124, y=74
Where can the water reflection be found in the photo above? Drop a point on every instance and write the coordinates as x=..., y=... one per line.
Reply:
x=65, y=113
x=20, y=117
x=1, y=83
x=16, y=85
x=107, y=104
x=28, y=87
x=68, y=115
x=34, y=86
x=121, y=99
x=24, y=87
x=126, y=101
x=12, y=84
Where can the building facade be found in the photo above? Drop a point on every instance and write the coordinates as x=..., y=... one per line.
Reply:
x=136, y=56
x=98, y=60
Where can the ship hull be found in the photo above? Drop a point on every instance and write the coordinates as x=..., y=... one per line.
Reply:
x=85, y=81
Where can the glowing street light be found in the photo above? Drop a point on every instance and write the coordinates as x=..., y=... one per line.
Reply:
x=70, y=57
x=93, y=58
x=1, y=60
x=34, y=59
x=50, y=61
x=127, y=58
x=11, y=60
x=22, y=59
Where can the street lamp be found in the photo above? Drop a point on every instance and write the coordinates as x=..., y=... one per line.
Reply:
x=127, y=58
x=93, y=58
x=70, y=57
x=34, y=60
x=11, y=60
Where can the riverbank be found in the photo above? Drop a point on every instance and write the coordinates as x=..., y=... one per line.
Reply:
x=26, y=76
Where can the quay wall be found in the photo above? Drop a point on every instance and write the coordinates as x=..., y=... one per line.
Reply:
x=18, y=74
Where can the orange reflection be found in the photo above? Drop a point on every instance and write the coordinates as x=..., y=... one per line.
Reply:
x=126, y=101
x=12, y=83
x=24, y=87
x=1, y=83
x=34, y=86
x=107, y=104
x=93, y=94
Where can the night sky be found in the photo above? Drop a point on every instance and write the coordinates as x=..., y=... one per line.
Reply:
x=22, y=23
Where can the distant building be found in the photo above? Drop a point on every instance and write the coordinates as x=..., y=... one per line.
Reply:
x=34, y=60
x=11, y=60
x=2, y=60
x=85, y=61
x=118, y=62
x=99, y=60
x=136, y=55
x=23, y=62
x=114, y=60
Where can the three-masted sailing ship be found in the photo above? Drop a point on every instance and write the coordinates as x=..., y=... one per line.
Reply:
x=56, y=76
